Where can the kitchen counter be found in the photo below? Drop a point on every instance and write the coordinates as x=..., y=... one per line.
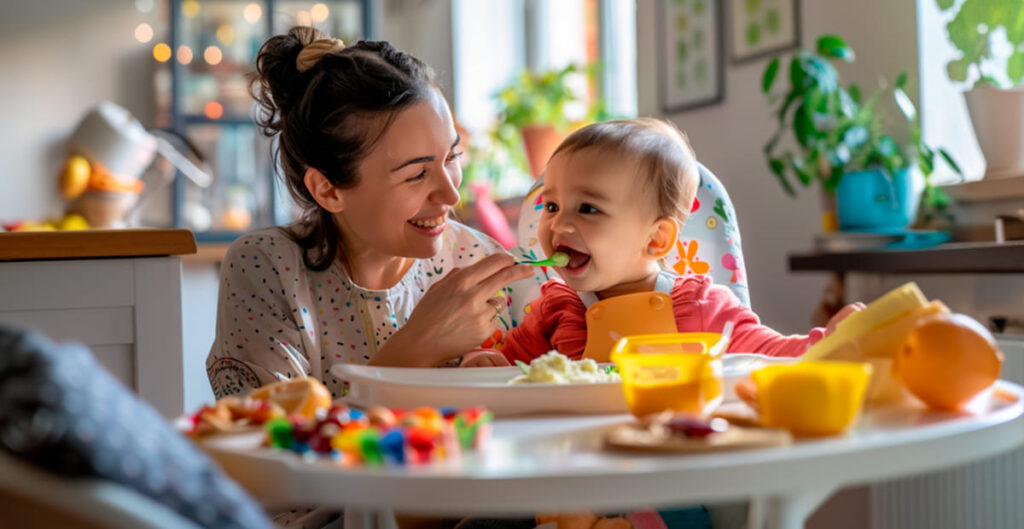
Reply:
x=35, y=245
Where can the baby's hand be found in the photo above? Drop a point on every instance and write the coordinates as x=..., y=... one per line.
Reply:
x=484, y=358
x=843, y=313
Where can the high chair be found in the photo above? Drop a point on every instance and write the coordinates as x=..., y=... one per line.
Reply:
x=708, y=243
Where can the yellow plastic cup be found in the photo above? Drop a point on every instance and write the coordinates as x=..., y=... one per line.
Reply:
x=669, y=372
x=811, y=398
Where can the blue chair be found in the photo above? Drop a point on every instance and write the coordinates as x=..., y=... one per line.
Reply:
x=709, y=243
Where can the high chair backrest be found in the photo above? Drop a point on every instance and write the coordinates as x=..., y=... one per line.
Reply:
x=709, y=243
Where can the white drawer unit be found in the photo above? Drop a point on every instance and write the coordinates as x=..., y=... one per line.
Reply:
x=126, y=309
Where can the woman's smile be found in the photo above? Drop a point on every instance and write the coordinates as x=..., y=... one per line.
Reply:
x=430, y=226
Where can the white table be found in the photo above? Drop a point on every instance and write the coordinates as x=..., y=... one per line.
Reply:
x=556, y=464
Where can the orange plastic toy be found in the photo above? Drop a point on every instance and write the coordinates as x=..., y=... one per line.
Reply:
x=947, y=360
x=611, y=319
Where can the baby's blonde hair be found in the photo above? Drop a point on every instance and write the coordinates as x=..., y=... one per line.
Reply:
x=661, y=151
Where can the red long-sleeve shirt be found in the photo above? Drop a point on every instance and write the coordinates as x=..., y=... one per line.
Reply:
x=557, y=320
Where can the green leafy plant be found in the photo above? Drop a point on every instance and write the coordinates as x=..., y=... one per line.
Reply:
x=838, y=130
x=974, y=30
x=530, y=99
x=539, y=99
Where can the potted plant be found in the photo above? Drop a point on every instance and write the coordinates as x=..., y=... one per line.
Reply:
x=996, y=101
x=844, y=141
x=532, y=115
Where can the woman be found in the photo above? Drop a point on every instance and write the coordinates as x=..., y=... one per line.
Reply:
x=375, y=272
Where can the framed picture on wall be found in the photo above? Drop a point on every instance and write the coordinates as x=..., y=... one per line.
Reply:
x=763, y=27
x=690, y=54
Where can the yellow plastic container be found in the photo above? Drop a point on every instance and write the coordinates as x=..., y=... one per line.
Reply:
x=811, y=398
x=678, y=371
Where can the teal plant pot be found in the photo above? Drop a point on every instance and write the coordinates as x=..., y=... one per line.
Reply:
x=867, y=200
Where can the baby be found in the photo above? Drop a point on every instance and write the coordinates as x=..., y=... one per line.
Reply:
x=615, y=197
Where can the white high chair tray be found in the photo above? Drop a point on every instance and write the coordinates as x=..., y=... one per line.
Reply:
x=408, y=387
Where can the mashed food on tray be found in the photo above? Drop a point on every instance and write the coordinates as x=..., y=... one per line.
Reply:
x=555, y=368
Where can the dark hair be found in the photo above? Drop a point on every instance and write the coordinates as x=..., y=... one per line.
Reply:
x=326, y=116
x=661, y=151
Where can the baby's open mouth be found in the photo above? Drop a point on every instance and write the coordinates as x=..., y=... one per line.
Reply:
x=577, y=259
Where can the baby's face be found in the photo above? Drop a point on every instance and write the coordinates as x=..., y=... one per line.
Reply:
x=600, y=211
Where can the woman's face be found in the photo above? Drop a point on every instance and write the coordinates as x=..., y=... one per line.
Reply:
x=407, y=185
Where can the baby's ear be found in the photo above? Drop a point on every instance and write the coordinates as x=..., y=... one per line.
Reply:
x=663, y=237
x=323, y=191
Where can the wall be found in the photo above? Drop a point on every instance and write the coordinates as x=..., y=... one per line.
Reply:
x=58, y=60
x=423, y=28
x=728, y=138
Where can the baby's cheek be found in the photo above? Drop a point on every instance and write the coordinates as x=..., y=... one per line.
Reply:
x=544, y=237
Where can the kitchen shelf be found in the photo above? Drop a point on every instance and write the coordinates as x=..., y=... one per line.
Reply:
x=952, y=258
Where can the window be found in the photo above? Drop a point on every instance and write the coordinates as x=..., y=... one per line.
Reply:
x=944, y=118
x=496, y=40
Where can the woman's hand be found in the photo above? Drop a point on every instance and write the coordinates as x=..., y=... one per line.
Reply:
x=833, y=322
x=456, y=315
x=484, y=358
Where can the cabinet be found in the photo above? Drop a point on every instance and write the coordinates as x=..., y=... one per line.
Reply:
x=116, y=291
x=215, y=43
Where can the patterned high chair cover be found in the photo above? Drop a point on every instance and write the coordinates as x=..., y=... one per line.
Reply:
x=709, y=243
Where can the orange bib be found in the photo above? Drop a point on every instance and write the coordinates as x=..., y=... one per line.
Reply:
x=611, y=319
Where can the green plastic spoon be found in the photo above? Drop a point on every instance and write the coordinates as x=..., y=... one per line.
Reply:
x=557, y=259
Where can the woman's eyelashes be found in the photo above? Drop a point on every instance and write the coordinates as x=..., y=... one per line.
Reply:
x=454, y=156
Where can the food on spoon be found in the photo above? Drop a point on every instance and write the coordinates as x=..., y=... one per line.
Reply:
x=553, y=367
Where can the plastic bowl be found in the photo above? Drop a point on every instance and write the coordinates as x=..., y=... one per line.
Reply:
x=811, y=398
x=669, y=372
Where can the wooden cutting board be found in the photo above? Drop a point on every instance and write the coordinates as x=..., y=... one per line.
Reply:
x=640, y=438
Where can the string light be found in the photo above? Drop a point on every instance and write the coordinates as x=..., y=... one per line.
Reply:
x=184, y=54
x=303, y=18
x=162, y=52
x=190, y=8
x=213, y=55
x=225, y=34
x=252, y=12
x=143, y=33
x=213, y=110
x=319, y=12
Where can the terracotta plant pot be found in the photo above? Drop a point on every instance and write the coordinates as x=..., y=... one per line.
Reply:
x=540, y=141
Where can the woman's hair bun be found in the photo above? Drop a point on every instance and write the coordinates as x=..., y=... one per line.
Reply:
x=277, y=83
